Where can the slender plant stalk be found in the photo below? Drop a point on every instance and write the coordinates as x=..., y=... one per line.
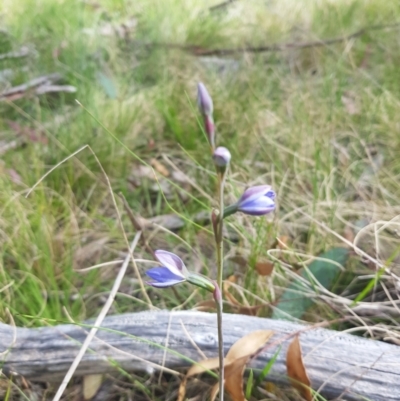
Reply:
x=220, y=265
x=221, y=355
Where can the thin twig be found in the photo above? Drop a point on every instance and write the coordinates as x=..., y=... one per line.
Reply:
x=221, y=5
x=199, y=51
x=98, y=321
x=23, y=52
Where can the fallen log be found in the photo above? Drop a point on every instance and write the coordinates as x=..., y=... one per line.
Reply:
x=338, y=364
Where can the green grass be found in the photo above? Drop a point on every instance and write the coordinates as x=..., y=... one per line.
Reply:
x=285, y=115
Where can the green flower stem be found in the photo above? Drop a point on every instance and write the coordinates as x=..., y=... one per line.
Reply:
x=220, y=266
x=221, y=356
x=229, y=210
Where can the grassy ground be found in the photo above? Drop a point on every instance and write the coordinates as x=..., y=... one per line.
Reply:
x=319, y=123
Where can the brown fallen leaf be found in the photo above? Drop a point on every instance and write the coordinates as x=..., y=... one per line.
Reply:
x=89, y=251
x=227, y=294
x=234, y=379
x=159, y=167
x=296, y=371
x=281, y=242
x=205, y=306
x=91, y=385
x=348, y=233
x=248, y=310
x=264, y=268
x=235, y=361
x=235, y=304
x=239, y=260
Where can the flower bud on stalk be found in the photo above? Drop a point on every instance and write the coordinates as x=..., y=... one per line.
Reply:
x=217, y=295
x=206, y=108
x=215, y=216
x=221, y=157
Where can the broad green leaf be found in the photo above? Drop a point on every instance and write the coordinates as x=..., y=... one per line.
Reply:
x=292, y=303
x=108, y=85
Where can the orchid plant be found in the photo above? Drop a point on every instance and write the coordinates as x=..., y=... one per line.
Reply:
x=255, y=201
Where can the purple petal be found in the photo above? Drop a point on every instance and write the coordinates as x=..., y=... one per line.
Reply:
x=172, y=262
x=256, y=192
x=163, y=274
x=222, y=156
x=165, y=284
x=257, y=207
x=204, y=100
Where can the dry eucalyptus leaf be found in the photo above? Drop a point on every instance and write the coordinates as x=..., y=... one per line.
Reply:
x=237, y=358
x=234, y=379
x=248, y=345
x=264, y=268
x=235, y=304
x=91, y=250
x=205, y=306
x=281, y=242
x=296, y=371
x=239, y=260
x=235, y=362
x=227, y=294
x=159, y=167
x=91, y=385
x=201, y=367
x=248, y=310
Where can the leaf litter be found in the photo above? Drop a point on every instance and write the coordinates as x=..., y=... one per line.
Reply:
x=235, y=362
x=296, y=371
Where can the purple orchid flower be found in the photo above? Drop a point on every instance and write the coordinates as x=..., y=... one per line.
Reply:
x=172, y=272
x=257, y=201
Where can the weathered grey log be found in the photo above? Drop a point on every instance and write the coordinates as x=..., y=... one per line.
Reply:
x=338, y=364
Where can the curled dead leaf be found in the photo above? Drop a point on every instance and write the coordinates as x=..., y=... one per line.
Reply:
x=227, y=294
x=235, y=361
x=205, y=306
x=296, y=371
x=234, y=303
x=91, y=385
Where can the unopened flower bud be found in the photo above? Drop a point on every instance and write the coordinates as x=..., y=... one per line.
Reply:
x=201, y=281
x=217, y=295
x=204, y=100
x=221, y=158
